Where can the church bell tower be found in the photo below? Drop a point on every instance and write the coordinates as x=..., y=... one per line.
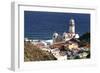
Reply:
x=72, y=26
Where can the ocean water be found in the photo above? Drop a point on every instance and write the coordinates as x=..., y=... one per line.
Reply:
x=42, y=25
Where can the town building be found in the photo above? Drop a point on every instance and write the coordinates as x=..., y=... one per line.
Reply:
x=67, y=35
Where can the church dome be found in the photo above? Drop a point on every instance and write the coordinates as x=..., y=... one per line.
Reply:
x=77, y=36
x=55, y=35
x=65, y=35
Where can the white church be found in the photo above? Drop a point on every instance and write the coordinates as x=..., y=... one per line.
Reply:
x=67, y=35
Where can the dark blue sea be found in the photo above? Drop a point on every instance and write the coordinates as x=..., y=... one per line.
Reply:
x=42, y=25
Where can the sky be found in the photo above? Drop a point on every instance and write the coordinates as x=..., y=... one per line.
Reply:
x=44, y=24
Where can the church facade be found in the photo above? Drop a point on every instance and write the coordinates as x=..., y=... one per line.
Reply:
x=67, y=35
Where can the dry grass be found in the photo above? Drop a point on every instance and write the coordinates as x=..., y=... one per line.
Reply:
x=33, y=53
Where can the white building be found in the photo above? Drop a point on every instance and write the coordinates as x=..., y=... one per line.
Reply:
x=26, y=39
x=55, y=35
x=69, y=35
x=72, y=26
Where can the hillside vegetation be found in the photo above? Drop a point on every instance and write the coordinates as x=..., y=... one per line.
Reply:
x=85, y=37
x=33, y=53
